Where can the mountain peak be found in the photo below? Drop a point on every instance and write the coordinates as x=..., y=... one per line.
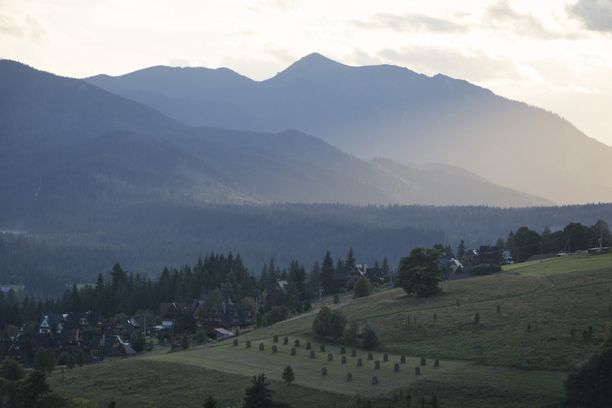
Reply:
x=313, y=63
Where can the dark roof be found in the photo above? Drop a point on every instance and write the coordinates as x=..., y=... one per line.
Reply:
x=342, y=274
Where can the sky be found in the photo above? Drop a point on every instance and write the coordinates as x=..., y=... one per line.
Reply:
x=555, y=54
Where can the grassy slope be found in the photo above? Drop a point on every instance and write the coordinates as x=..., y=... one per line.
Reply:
x=497, y=363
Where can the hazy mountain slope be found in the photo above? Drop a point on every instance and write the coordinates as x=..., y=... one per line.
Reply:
x=443, y=183
x=81, y=146
x=387, y=111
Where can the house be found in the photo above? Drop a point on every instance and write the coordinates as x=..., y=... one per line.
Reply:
x=168, y=312
x=228, y=316
x=51, y=323
x=375, y=275
x=488, y=255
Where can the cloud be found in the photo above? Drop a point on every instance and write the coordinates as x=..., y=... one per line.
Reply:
x=595, y=14
x=8, y=26
x=28, y=27
x=501, y=15
x=473, y=65
x=410, y=22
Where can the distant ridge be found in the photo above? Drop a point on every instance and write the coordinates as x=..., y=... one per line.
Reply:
x=389, y=111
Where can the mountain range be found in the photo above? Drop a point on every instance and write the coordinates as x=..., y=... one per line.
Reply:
x=68, y=143
x=391, y=112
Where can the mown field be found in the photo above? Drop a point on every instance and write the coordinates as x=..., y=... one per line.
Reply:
x=529, y=335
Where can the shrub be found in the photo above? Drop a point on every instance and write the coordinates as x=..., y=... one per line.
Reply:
x=589, y=387
x=11, y=370
x=351, y=333
x=323, y=371
x=363, y=288
x=288, y=375
x=329, y=323
x=185, y=342
x=369, y=339
x=420, y=273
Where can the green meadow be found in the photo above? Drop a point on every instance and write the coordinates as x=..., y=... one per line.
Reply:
x=528, y=335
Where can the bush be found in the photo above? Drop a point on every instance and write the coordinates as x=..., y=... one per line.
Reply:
x=589, y=387
x=185, y=342
x=369, y=339
x=11, y=370
x=363, y=288
x=139, y=344
x=288, y=375
x=200, y=337
x=329, y=323
x=420, y=273
x=276, y=314
x=350, y=334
